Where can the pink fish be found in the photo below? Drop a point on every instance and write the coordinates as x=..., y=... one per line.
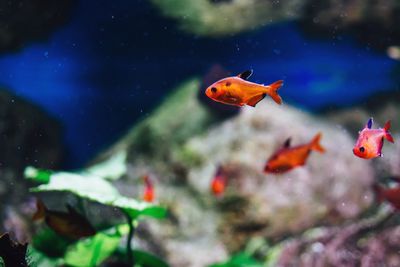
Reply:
x=370, y=141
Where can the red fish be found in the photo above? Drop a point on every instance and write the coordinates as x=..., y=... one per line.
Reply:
x=148, y=194
x=391, y=195
x=370, y=141
x=237, y=91
x=218, y=183
x=70, y=224
x=287, y=158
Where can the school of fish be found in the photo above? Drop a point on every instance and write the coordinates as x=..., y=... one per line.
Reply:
x=238, y=91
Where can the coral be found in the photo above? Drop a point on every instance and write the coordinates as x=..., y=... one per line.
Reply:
x=333, y=185
x=370, y=242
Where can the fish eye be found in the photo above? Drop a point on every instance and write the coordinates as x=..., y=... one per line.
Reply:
x=362, y=149
x=213, y=89
x=228, y=84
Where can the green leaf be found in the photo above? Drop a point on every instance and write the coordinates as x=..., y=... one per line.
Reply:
x=111, y=169
x=146, y=259
x=99, y=190
x=48, y=242
x=240, y=260
x=40, y=176
x=36, y=258
x=136, y=208
x=94, y=250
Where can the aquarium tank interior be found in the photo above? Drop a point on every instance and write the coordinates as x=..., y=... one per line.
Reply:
x=199, y=133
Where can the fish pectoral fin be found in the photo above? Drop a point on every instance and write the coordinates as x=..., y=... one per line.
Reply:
x=255, y=99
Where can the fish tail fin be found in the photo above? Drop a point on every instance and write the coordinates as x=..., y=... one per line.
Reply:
x=388, y=136
x=379, y=196
x=315, y=145
x=272, y=91
x=40, y=212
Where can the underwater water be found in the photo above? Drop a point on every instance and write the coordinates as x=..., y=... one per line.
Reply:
x=191, y=133
x=118, y=63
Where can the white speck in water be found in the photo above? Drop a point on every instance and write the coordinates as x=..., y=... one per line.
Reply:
x=46, y=54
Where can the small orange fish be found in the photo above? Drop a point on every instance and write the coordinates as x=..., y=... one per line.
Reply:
x=391, y=195
x=237, y=91
x=148, y=194
x=218, y=183
x=69, y=224
x=370, y=141
x=287, y=158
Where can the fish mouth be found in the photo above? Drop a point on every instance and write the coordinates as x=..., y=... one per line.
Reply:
x=357, y=153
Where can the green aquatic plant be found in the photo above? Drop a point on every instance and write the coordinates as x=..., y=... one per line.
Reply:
x=240, y=260
x=247, y=258
x=93, y=250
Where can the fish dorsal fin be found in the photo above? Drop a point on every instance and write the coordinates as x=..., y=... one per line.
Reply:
x=287, y=143
x=369, y=123
x=245, y=74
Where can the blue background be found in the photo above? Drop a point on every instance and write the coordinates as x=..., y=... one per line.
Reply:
x=114, y=62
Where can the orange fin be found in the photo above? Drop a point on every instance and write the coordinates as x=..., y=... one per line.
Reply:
x=273, y=88
x=315, y=145
x=255, y=99
x=388, y=136
x=41, y=210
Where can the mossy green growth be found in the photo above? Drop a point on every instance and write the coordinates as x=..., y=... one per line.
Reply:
x=208, y=18
x=178, y=118
x=189, y=157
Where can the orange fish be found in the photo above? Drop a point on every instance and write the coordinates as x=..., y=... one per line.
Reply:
x=391, y=195
x=370, y=141
x=287, y=158
x=218, y=183
x=237, y=91
x=148, y=194
x=69, y=224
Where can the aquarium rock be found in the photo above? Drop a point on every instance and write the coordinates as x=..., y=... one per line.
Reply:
x=181, y=145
